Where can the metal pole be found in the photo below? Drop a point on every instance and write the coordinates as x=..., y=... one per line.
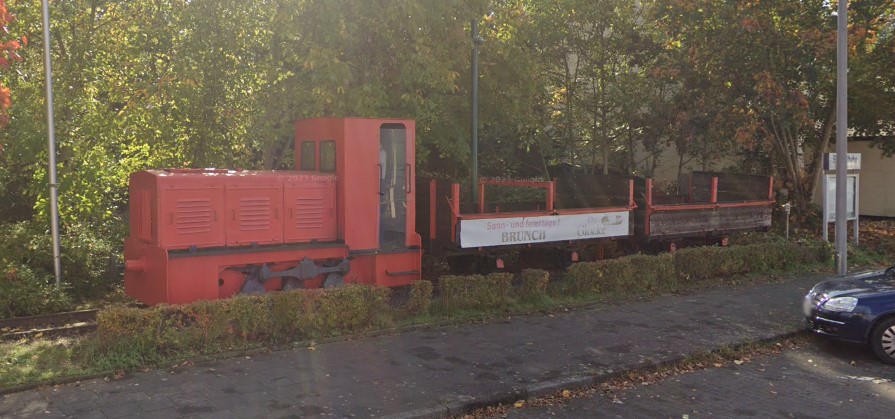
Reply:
x=788, y=207
x=841, y=136
x=54, y=186
x=476, y=42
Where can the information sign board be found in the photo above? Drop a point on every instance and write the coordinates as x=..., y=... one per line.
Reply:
x=542, y=229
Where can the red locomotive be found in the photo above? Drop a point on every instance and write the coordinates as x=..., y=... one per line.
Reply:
x=348, y=214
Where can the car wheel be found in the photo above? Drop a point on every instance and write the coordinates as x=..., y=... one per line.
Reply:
x=883, y=341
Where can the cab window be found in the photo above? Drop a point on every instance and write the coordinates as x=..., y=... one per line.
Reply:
x=308, y=156
x=328, y=156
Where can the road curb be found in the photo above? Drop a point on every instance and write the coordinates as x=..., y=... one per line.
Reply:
x=466, y=404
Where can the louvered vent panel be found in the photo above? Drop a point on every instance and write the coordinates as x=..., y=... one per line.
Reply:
x=193, y=216
x=311, y=213
x=254, y=214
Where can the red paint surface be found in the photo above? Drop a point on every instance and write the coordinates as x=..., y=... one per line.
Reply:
x=194, y=230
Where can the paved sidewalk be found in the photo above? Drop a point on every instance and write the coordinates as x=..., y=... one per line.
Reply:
x=821, y=379
x=439, y=371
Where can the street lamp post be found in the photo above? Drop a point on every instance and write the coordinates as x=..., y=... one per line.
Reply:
x=474, y=120
x=841, y=136
x=54, y=186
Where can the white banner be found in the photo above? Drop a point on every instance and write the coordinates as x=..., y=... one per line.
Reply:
x=551, y=228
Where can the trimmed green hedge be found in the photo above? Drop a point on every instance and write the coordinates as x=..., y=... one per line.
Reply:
x=475, y=291
x=700, y=263
x=212, y=326
x=420, y=298
x=650, y=273
x=637, y=273
x=641, y=273
x=533, y=284
x=131, y=336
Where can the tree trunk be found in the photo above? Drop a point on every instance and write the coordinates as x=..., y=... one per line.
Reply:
x=815, y=171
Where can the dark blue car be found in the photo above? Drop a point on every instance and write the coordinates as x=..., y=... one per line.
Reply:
x=858, y=308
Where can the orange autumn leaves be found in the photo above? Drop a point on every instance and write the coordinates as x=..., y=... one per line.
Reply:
x=8, y=55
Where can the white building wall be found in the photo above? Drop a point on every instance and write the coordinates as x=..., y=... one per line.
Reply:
x=877, y=189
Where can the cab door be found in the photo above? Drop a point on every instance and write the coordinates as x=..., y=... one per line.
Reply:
x=394, y=178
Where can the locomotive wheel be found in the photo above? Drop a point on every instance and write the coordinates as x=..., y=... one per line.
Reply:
x=334, y=280
x=292, y=284
x=253, y=283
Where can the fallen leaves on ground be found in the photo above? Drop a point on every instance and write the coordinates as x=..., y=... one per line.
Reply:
x=613, y=388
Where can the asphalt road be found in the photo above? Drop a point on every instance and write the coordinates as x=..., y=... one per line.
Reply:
x=817, y=379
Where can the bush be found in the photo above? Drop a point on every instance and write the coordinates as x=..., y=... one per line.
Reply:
x=650, y=273
x=629, y=274
x=294, y=313
x=135, y=330
x=211, y=326
x=475, y=291
x=88, y=254
x=640, y=273
x=24, y=292
x=618, y=274
x=760, y=257
x=590, y=278
x=887, y=247
x=350, y=308
x=252, y=317
x=533, y=284
x=752, y=237
x=583, y=278
x=806, y=250
x=85, y=254
x=420, y=298
x=697, y=263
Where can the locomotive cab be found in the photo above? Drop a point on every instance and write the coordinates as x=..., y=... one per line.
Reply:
x=373, y=160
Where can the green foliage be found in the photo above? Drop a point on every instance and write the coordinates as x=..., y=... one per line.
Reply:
x=700, y=263
x=24, y=292
x=780, y=113
x=533, y=284
x=294, y=311
x=129, y=338
x=475, y=291
x=200, y=83
x=350, y=309
x=650, y=273
x=583, y=279
x=887, y=248
x=86, y=253
x=640, y=274
x=630, y=274
x=807, y=250
x=697, y=263
x=214, y=326
x=420, y=298
x=129, y=330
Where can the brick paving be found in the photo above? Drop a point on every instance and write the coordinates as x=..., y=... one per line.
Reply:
x=434, y=372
